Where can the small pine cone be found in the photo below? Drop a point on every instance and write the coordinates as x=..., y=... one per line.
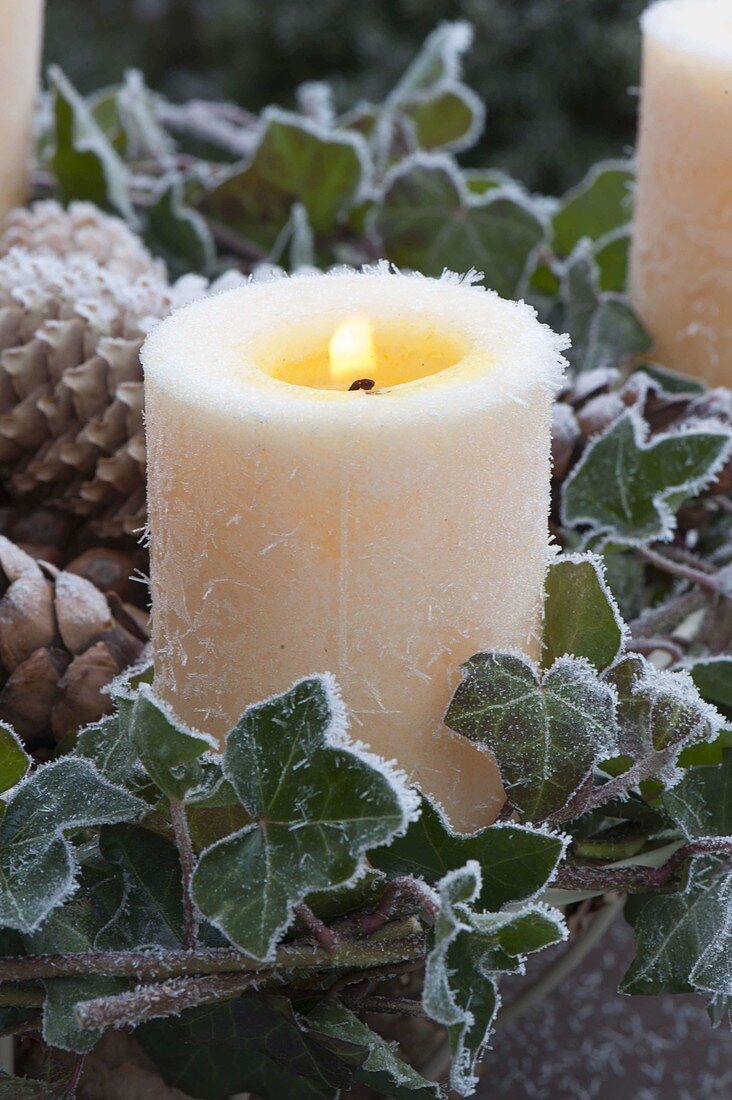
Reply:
x=82, y=227
x=62, y=640
x=71, y=393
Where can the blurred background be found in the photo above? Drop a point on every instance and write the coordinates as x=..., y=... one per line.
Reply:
x=558, y=78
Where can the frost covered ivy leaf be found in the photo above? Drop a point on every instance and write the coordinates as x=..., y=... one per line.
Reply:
x=684, y=940
x=629, y=488
x=170, y=752
x=84, y=162
x=382, y=1070
x=713, y=678
x=429, y=221
x=547, y=731
x=130, y=902
x=470, y=948
x=317, y=804
x=605, y=331
x=254, y=1043
x=295, y=161
x=37, y=863
x=701, y=803
x=601, y=202
x=516, y=861
x=659, y=713
x=178, y=232
x=581, y=616
x=14, y=760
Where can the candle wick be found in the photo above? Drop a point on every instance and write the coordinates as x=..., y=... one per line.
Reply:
x=362, y=384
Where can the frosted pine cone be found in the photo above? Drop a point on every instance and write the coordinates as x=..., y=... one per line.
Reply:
x=71, y=394
x=62, y=640
x=81, y=227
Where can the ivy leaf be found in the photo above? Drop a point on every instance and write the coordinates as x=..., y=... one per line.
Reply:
x=295, y=161
x=14, y=760
x=317, y=806
x=170, y=752
x=684, y=940
x=177, y=231
x=659, y=712
x=37, y=863
x=629, y=488
x=150, y=913
x=601, y=203
x=713, y=678
x=460, y=989
x=515, y=861
x=22, y=1088
x=429, y=221
x=604, y=329
x=450, y=118
x=701, y=803
x=85, y=164
x=253, y=1043
x=581, y=616
x=107, y=745
x=547, y=732
x=383, y=1070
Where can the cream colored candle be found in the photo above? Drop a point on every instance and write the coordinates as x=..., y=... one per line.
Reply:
x=299, y=526
x=681, y=265
x=21, y=25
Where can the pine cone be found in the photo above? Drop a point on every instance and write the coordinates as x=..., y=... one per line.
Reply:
x=80, y=228
x=62, y=640
x=71, y=394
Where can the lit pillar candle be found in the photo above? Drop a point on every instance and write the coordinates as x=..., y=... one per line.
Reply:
x=21, y=25
x=383, y=533
x=681, y=266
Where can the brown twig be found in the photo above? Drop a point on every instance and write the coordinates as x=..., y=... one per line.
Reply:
x=399, y=889
x=399, y=942
x=154, y=1001
x=647, y=646
x=324, y=935
x=689, y=573
x=187, y=864
x=637, y=879
x=73, y=1082
x=373, y=976
x=397, y=1006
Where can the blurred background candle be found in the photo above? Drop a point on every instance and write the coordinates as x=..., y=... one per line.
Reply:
x=350, y=473
x=21, y=26
x=681, y=266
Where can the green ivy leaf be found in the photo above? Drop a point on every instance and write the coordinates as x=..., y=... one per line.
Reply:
x=383, y=1070
x=107, y=745
x=658, y=712
x=170, y=753
x=37, y=863
x=713, y=678
x=604, y=329
x=581, y=616
x=701, y=803
x=21, y=1088
x=684, y=940
x=14, y=760
x=601, y=203
x=150, y=912
x=177, y=231
x=429, y=221
x=460, y=989
x=295, y=161
x=628, y=488
x=85, y=164
x=317, y=806
x=547, y=732
x=254, y=1043
x=516, y=861
x=449, y=118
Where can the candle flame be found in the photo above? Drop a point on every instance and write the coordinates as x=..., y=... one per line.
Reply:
x=352, y=352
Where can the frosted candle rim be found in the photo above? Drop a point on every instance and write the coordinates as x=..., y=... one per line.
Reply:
x=679, y=24
x=177, y=356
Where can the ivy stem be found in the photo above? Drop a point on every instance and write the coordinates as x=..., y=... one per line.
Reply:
x=187, y=863
x=73, y=1082
x=647, y=646
x=646, y=768
x=399, y=888
x=679, y=569
x=397, y=1006
x=399, y=942
x=325, y=936
x=155, y=1001
x=637, y=879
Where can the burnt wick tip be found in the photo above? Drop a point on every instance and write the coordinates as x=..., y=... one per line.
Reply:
x=362, y=384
